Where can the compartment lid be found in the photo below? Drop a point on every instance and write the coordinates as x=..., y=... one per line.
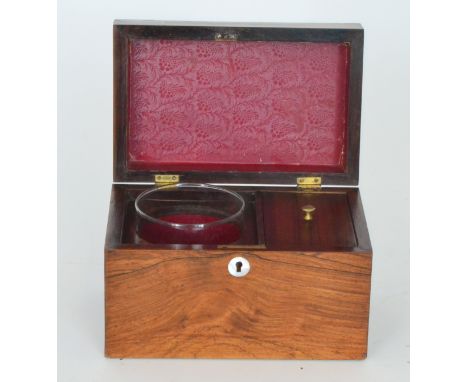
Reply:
x=237, y=103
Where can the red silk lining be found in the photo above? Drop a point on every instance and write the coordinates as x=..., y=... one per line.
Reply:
x=237, y=106
x=160, y=234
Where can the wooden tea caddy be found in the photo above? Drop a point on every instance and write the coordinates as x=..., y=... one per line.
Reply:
x=259, y=98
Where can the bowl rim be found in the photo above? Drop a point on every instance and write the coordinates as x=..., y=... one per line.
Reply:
x=197, y=226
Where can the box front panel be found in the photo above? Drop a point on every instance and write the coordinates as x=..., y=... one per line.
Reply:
x=185, y=304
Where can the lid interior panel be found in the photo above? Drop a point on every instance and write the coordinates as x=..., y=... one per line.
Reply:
x=200, y=105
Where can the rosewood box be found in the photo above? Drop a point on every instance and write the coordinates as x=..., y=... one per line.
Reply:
x=263, y=117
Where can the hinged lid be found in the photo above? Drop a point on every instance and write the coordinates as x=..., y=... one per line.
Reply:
x=238, y=103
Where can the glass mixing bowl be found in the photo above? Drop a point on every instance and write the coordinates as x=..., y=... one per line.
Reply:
x=189, y=213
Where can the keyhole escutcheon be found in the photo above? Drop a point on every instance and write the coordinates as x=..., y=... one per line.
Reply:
x=238, y=267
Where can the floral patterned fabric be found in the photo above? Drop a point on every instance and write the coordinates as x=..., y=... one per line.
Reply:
x=245, y=106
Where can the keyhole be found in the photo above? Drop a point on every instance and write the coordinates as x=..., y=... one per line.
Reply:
x=238, y=267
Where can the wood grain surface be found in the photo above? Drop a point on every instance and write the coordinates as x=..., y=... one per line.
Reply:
x=285, y=228
x=185, y=304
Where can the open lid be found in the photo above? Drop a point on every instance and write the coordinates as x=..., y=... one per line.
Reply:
x=238, y=103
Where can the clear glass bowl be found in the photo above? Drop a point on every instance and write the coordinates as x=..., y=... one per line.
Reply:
x=189, y=213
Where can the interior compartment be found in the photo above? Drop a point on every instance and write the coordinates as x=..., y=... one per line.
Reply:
x=274, y=220
x=247, y=235
x=331, y=227
x=190, y=213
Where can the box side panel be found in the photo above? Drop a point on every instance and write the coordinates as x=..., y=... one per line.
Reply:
x=116, y=216
x=359, y=220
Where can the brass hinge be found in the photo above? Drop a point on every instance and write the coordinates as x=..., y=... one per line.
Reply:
x=309, y=182
x=166, y=179
x=226, y=36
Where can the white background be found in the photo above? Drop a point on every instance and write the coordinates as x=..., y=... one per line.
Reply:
x=85, y=177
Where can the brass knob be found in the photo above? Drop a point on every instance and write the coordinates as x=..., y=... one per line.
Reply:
x=309, y=211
